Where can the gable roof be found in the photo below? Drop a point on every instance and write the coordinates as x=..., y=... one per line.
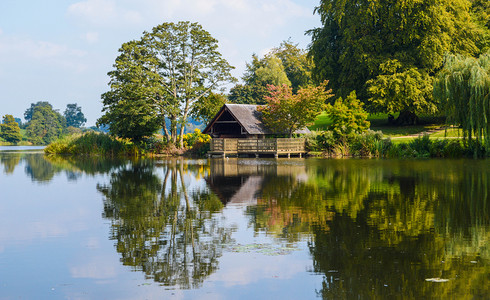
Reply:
x=248, y=117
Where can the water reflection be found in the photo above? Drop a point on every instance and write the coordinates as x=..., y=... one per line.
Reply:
x=372, y=228
x=162, y=228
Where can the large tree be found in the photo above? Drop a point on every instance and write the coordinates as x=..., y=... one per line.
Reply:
x=74, y=115
x=10, y=130
x=286, y=64
x=297, y=64
x=45, y=126
x=463, y=87
x=30, y=111
x=359, y=38
x=286, y=112
x=162, y=76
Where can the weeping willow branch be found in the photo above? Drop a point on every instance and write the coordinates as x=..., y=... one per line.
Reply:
x=463, y=88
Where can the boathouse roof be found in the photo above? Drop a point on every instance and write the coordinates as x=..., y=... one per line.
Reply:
x=248, y=117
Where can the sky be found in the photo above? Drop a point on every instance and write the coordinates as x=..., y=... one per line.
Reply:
x=61, y=50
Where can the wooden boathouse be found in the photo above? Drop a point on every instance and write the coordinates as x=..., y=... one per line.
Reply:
x=237, y=129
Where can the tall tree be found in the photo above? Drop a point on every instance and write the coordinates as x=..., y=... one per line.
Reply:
x=259, y=73
x=297, y=64
x=463, y=87
x=359, y=37
x=30, y=111
x=162, y=76
x=286, y=64
x=10, y=130
x=74, y=116
x=286, y=112
x=45, y=126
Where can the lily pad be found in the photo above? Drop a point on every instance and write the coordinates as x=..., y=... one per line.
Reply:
x=436, y=279
x=266, y=249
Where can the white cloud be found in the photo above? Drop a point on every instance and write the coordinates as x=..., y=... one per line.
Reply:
x=15, y=49
x=103, y=12
x=94, y=10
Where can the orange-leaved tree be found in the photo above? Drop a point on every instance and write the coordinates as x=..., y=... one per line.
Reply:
x=286, y=112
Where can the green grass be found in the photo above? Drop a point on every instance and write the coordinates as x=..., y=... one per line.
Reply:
x=379, y=122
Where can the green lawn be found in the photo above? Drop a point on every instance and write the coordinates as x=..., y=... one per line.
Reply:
x=380, y=122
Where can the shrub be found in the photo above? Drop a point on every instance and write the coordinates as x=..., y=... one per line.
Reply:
x=421, y=146
x=92, y=143
x=348, y=116
x=367, y=143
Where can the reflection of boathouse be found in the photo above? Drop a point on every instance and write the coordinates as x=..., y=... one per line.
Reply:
x=237, y=129
x=240, y=180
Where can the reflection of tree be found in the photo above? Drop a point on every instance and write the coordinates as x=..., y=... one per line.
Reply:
x=381, y=228
x=407, y=232
x=9, y=162
x=75, y=166
x=161, y=228
x=39, y=169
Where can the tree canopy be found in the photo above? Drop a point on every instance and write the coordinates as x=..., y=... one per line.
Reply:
x=286, y=64
x=74, y=116
x=162, y=76
x=286, y=112
x=360, y=38
x=45, y=125
x=10, y=130
x=463, y=87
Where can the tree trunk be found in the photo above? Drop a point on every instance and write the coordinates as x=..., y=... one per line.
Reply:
x=407, y=118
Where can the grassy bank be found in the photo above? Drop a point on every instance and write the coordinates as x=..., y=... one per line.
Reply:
x=92, y=144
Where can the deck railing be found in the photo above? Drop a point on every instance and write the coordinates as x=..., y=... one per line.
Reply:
x=279, y=145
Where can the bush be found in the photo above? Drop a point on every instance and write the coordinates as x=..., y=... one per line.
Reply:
x=92, y=143
x=367, y=144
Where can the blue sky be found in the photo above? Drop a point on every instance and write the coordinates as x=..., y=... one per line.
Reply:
x=61, y=50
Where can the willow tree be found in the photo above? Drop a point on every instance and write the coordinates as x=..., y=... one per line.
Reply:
x=463, y=87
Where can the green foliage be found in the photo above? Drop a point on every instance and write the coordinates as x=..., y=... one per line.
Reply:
x=45, y=125
x=286, y=112
x=401, y=91
x=463, y=87
x=348, y=117
x=92, y=143
x=30, y=111
x=360, y=38
x=9, y=130
x=297, y=64
x=272, y=72
x=207, y=107
x=74, y=116
x=248, y=94
x=286, y=64
x=162, y=76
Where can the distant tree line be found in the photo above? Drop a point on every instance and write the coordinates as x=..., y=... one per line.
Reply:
x=43, y=123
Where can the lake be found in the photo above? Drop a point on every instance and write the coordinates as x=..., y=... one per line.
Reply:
x=77, y=228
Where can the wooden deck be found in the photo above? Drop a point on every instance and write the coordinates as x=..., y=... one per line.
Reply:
x=276, y=147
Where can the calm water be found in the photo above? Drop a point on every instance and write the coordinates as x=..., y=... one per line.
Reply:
x=243, y=228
